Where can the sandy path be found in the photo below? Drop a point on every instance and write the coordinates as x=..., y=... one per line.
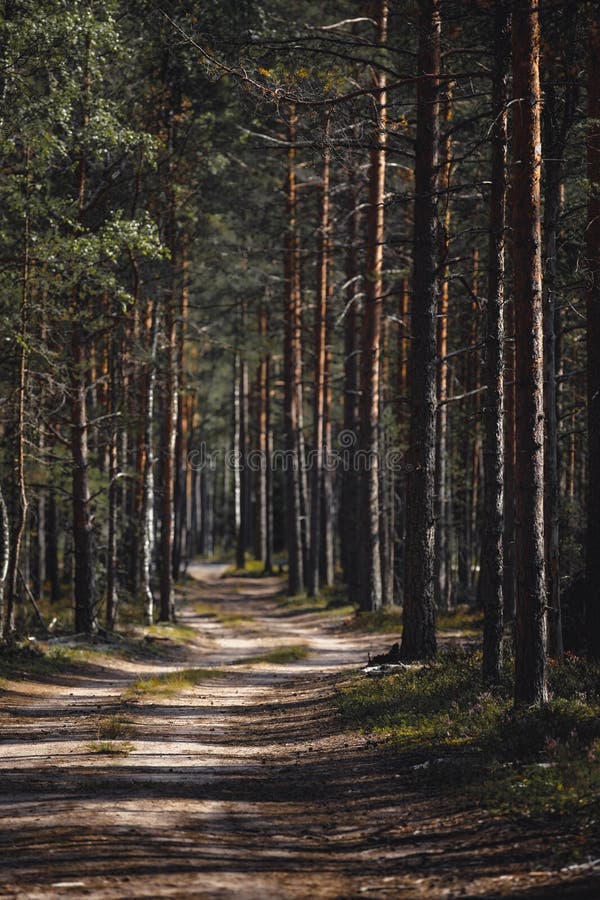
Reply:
x=244, y=786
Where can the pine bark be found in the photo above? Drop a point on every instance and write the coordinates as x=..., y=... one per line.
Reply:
x=418, y=636
x=370, y=551
x=320, y=334
x=530, y=636
x=592, y=243
x=292, y=474
x=348, y=439
x=83, y=536
x=493, y=412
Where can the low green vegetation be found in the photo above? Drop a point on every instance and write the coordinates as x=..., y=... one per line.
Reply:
x=448, y=726
x=169, y=683
x=253, y=568
x=462, y=621
x=174, y=632
x=111, y=748
x=329, y=601
x=212, y=611
x=113, y=728
x=279, y=656
x=27, y=660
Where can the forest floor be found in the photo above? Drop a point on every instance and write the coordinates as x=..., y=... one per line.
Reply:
x=236, y=778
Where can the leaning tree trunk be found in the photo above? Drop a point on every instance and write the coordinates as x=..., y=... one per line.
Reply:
x=418, y=636
x=370, y=555
x=493, y=412
x=530, y=635
x=592, y=235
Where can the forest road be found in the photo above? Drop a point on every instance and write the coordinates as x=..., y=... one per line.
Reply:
x=243, y=786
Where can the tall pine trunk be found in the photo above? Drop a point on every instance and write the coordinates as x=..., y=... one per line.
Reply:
x=370, y=556
x=530, y=635
x=292, y=473
x=348, y=438
x=83, y=536
x=320, y=333
x=592, y=243
x=418, y=636
x=493, y=411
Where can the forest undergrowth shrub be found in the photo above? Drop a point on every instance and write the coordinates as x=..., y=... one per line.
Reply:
x=463, y=619
x=467, y=737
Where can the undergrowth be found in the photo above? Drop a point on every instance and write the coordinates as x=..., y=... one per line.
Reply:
x=464, y=620
x=332, y=600
x=279, y=656
x=532, y=762
x=169, y=683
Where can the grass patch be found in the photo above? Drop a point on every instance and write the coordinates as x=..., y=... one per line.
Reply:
x=464, y=620
x=331, y=600
x=113, y=728
x=212, y=611
x=383, y=621
x=28, y=660
x=111, y=748
x=172, y=631
x=537, y=763
x=253, y=568
x=170, y=683
x=279, y=656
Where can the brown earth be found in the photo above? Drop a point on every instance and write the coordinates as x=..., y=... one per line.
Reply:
x=245, y=786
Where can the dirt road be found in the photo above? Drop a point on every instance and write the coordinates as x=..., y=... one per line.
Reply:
x=244, y=786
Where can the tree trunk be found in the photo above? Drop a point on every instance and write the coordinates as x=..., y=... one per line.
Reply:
x=370, y=551
x=418, y=636
x=147, y=469
x=167, y=595
x=552, y=487
x=180, y=499
x=508, y=537
x=441, y=564
x=242, y=461
x=530, y=636
x=113, y=492
x=320, y=333
x=348, y=438
x=592, y=235
x=19, y=492
x=292, y=473
x=262, y=487
x=493, y=412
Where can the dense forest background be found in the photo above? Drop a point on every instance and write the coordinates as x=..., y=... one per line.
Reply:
x=242, y=236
